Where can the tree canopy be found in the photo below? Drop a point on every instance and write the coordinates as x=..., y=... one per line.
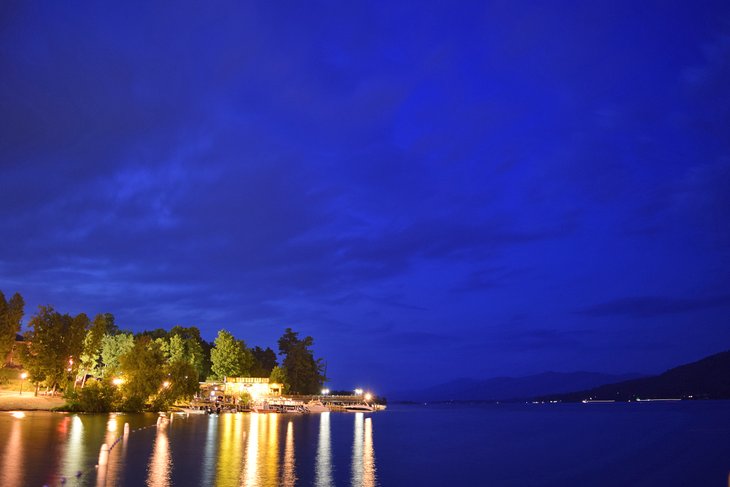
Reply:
x=229, y=357
x=102, y=368
x=11, y=314
x=304, y=373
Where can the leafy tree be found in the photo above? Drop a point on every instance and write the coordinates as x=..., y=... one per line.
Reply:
x=176, y=349
x=55, y=343
x=143, y=372
x=264, y=361
x=278, y=376
x=113, y=347
x=229, y=357
x=182, y=383
x=91, y=355
x=305, y=373
x=11, y=313
x=154, y=334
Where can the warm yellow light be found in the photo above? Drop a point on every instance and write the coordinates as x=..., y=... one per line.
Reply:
x=368, y=396
x=117, y=381
x=166, y=384
x=24, y=375
x=18, y=414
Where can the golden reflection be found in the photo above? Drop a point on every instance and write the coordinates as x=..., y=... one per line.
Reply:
x=368, y=456
x=112, y=434
x=363, y=453
x=73, y=455
x=12, y=460
x=272, y=451
x=357, y=450
x=160, y=463
x=323, y=474
x=289, y=477
x=250, y=470
x=229, y=450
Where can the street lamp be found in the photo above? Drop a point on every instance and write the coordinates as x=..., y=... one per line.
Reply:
x=325, y=392
x=166, y=384
x=117, y=381
x=368, y=396
x=23, y=376
x=358, y=392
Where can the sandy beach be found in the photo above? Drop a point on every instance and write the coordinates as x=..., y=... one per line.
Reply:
x=12, y=401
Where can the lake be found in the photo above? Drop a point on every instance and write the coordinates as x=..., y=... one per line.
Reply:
x=648, y=444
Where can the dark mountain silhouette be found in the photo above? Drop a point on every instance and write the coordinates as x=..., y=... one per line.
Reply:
x=507, y=388
x=708, y=378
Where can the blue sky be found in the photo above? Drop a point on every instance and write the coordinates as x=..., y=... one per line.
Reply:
x=430, y=189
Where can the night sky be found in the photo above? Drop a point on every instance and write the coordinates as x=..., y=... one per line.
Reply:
x=431, y=190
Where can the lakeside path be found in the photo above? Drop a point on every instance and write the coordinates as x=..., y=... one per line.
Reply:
x=12, y=401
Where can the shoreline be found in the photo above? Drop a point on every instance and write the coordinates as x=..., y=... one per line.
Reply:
x=13, y=401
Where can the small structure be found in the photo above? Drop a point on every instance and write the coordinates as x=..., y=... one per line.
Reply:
x=255, y=387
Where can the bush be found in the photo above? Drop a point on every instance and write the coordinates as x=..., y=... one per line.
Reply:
x=94, y=397
x=9, y=375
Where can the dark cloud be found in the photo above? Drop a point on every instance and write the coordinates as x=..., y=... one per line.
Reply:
x=369, y=175
x=651, y=306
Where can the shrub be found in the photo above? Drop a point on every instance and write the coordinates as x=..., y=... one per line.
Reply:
x=94, y=397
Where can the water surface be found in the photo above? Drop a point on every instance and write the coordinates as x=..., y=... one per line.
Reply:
x=650, y=444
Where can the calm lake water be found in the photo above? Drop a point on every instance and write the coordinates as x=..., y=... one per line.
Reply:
x=648, y=444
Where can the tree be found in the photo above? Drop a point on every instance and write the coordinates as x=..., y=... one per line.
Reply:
x=144, y=375
x=264, y=361
x=229, y=357
x=11, y=313
x=182, y=383
x=113, y=347
x=91, y=356
x=305, y=373
x=278, y=376
x=55, y=343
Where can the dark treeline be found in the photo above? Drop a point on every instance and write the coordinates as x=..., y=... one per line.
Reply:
x=101, y=367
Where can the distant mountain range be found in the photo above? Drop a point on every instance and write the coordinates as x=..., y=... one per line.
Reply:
x=708, y=378
x=512, y=388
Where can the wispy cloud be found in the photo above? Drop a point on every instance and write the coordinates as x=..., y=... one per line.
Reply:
x=650, y=306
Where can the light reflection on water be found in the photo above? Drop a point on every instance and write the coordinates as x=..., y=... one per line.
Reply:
x=252, y=447
x=12, y=459
x=289, y=476
x=324, y=455
x=160, y=463
x=238, y=449
x=73, y=457
x=368, y=457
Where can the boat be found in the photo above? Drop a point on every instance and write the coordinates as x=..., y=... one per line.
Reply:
x=316, y=406
x=193, y=410
x=359, y=408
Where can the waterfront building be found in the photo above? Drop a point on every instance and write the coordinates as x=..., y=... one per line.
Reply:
x=256, y=387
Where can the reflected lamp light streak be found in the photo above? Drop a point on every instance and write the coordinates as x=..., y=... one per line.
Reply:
x=289, y=477
x=323, y=473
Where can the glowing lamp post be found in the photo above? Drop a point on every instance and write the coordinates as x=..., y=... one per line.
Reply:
x=166, y=384
x=358, y=392
x=325, y=392
x=23, y=376
x=368, y=397
x=118, y=381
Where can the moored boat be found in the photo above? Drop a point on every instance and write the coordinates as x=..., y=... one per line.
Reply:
x=359, y=408
x=316, y=406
